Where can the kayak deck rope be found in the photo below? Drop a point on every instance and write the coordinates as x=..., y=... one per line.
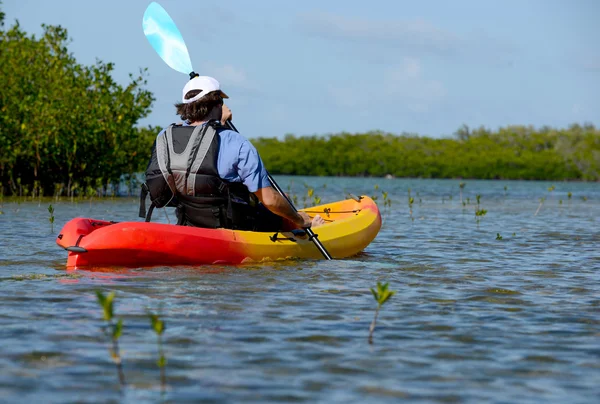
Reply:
x=328, y=211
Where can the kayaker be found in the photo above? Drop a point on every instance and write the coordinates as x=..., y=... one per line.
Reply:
x=212, y=175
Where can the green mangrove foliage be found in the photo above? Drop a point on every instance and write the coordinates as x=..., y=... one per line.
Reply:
x=479, y=212
x=381, y=295
x=66, y=128
x=159, y=327
x=112, y=330
x=513, y=152
x=543, y=199
x=51, y=217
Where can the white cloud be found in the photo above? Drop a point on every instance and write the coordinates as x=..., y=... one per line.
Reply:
x=406, y=81
x=408, y=70
x=414, y=37
x=415, y=34
x=404, y=85
x=228, y=75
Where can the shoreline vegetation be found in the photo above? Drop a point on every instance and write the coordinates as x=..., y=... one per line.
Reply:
x=70, y=130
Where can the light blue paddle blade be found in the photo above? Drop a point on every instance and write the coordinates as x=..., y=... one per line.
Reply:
x=165, y=38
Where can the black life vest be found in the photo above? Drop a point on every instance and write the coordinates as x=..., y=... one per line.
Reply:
x=182, y=172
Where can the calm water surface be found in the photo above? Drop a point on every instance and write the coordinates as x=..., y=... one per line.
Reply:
x=474, y=319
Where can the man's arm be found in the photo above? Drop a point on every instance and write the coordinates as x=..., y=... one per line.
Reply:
x=277, y=204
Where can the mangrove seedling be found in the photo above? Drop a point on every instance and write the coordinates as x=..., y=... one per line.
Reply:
x=498, y=236
x=51, y=218
x=381, y=295
x=386, y=200
x=550, y=189
x=461, y=186
x=479, y=213
x=542, y=199
x=505, y=190
x=159, y=328
x=569, y=195
x=112, y=330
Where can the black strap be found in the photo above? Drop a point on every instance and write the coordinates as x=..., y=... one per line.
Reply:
x=275, y=237
x=180, y=213
x=150, y=210
x=143, y=194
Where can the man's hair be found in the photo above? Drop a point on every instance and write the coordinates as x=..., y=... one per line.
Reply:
x=198, y=110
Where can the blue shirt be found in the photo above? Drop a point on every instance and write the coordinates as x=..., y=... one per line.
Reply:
x=239, y=161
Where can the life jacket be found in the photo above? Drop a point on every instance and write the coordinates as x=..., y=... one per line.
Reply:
x=183, y=173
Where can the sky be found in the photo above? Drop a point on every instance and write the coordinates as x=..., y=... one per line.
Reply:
x=320, y=67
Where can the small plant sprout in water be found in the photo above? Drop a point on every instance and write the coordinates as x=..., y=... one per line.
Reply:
x=569, y=195
x=386, y=200
x=374, y=196
x=543, y=199
x=498, y=236
x=159, y=328
x=461, y=186
x=505, y=190
x=51, y=217
x=381, y=295
x=112, y=330
x=411, y=200
x=479, y=213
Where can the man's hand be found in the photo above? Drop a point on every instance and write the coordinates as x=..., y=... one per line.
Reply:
x=226, y=115
x=278, y=205
x=307, y=220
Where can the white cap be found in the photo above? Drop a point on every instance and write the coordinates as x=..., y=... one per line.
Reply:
x=205, y=84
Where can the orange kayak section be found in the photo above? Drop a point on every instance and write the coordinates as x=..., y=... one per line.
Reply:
x=350, y=226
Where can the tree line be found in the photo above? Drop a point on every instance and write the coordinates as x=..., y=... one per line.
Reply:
x=67, y=128
x=513, y=152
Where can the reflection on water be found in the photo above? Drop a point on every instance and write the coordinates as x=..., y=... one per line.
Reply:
x=475, y=318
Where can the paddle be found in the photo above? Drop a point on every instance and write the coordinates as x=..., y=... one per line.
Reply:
x=165, y=38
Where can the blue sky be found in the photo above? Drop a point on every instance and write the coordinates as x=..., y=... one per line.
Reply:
x=318, y=67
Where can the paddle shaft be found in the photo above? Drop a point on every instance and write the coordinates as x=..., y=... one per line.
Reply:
x=311, y=235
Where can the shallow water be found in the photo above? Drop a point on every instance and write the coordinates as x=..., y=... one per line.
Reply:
x=474, y=319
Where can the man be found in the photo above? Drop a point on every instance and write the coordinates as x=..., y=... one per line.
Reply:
x=213, y=175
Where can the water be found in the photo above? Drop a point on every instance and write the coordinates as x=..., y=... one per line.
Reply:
x=474, y=319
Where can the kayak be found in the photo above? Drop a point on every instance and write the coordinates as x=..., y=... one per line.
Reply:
x=350, y=226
